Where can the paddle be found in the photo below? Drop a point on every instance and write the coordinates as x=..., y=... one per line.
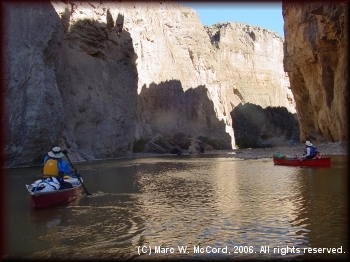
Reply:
x=65, y=152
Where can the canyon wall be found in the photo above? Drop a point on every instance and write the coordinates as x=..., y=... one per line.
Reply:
x=94, y=76
x=316, y=59
x=71, y=83
x=33, y=104
x=232, y=69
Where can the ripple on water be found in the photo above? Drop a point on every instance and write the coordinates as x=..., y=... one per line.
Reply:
x=189, y=202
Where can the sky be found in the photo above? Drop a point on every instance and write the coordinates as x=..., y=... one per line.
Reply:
x=266, y=15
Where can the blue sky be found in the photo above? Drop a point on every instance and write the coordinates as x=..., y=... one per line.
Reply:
x=267, y=15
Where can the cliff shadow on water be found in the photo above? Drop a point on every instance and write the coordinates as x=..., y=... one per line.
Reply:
x=165, y=110
x=257, y=127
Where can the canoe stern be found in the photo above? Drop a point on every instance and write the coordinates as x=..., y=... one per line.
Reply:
x=48, y=199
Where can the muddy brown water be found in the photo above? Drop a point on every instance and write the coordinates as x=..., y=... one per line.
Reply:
x=201, y=207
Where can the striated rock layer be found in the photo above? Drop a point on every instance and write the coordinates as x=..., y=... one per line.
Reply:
x=94, y=76
x=316, y=59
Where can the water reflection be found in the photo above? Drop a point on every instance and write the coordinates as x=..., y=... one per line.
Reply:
x=323, y=207
x=188, y=201
x=220, y=203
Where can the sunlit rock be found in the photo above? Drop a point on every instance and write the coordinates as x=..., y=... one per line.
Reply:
x=94, y=77
x=316, y=59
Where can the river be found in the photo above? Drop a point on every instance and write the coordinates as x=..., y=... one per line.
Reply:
x=192, y=207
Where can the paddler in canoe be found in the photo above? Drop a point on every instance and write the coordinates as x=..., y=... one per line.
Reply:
x=55, y=166
x=310, y=151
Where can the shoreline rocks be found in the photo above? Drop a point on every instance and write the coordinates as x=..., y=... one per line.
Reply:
x=326, y=149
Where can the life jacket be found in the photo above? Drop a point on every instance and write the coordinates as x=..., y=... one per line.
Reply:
x=50, y=168
x=313, y=151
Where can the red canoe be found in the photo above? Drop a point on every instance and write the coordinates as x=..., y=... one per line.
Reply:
x=48, y=199
x=40, y=199
x=321, y=162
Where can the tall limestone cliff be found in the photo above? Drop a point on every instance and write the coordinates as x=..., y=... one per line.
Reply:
x=316, y=59
x=232, y=63
x=94, y=76
x=72, y=82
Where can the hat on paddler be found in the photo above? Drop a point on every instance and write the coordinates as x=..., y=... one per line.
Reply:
x=308, y=143
x=56, y=152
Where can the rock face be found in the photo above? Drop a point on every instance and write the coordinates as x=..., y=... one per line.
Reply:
x=215, y=69
x=250, y=60
x=316, y=59
x=72, y=82
x=256, y=127
x=96, y=76
x=33, y=104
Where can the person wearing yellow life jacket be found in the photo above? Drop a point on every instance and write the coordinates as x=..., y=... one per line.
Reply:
x=55, y=166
